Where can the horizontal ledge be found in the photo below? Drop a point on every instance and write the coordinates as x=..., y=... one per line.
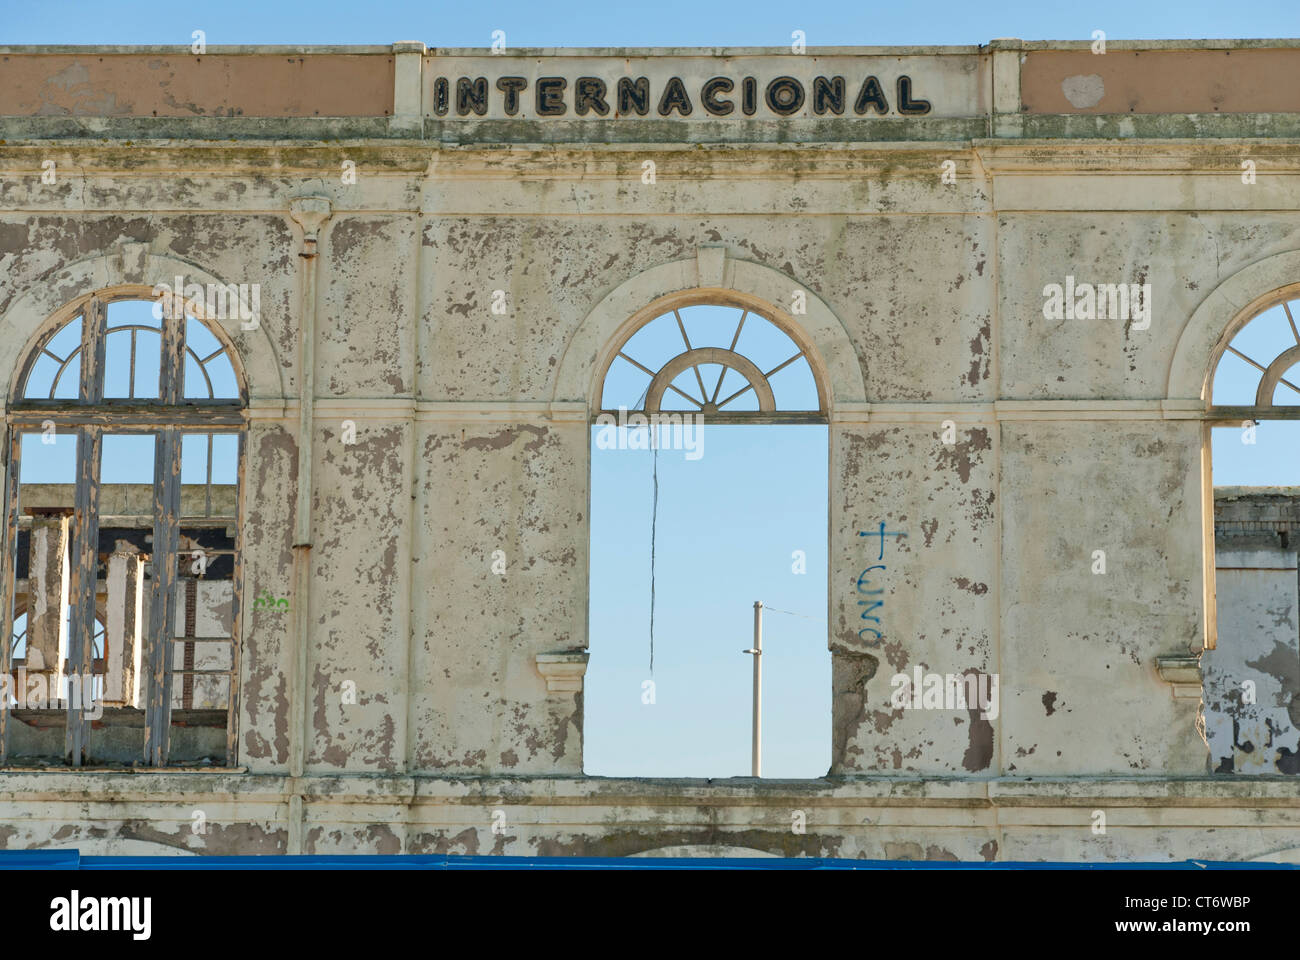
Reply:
x=439, y=410
x=188, y=421
x=1069, y=410
x=470, y=411
x=405, y=408
x=112, y=785
x=1099, y=410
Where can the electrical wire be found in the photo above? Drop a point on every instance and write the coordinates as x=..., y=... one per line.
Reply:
x=654, y=523
x=791, y=613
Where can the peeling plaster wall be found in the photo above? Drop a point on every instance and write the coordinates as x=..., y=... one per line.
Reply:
x=1082, y=695
x=478, y=703
x=360, y=597
x=471, y=437
x=271, y=471
x=939, y=602
x=368, y=348
x=1184, y=255
x=921, y=820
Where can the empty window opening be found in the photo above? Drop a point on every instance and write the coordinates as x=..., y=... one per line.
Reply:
x=709, y=470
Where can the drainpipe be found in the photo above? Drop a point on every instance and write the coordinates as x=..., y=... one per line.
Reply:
x=309, y=213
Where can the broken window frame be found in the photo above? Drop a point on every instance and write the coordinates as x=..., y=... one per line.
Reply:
x=90, y=416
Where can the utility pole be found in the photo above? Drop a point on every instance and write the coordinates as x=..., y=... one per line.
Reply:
x=757, y=651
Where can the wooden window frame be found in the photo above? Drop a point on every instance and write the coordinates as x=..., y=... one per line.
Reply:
x=90, y=417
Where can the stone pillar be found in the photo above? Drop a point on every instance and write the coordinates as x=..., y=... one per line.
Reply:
x=122, y=629
x=47, y=589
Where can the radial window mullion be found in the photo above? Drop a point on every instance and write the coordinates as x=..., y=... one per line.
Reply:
x=1286, y=308
x=781, y=366
x=1254, y=363
x=130, y=390
x=722, y=373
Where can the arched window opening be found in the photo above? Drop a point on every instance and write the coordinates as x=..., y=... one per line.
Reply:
x=709, y=491
x=119, y=580
x=1251, y=679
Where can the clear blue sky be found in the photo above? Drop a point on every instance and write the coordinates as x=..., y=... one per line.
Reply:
x=581, y=23
x=730, y=521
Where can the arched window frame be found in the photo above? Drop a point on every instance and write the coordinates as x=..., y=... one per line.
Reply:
x=746, y=304
x=1271, y=375
x=90, y=415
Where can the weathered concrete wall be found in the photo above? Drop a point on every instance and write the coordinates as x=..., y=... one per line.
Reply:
x=1079, y=645
x=1009, y=447
x=478, y=703
x=168, y=84
x=938, y=607
x=926, y=820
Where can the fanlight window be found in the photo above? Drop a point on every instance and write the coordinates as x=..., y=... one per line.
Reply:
x=1260, y=367
x=727, y=363
x=131, y=367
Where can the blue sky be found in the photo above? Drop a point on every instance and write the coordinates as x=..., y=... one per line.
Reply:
x=730, y=522
x=582, y=23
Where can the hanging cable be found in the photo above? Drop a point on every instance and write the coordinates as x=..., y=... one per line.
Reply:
x=791, y=613
x=654, y=523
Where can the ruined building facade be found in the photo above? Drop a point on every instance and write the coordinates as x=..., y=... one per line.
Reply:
x=293, y=342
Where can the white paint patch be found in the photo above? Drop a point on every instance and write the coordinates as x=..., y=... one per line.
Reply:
x=36, y=575
x=1083, y=90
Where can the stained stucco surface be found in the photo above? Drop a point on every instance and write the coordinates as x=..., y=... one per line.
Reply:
x=1008, y=446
